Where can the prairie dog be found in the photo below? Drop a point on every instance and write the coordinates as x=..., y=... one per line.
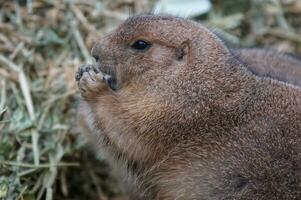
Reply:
x=271, y=64
x=181, y=117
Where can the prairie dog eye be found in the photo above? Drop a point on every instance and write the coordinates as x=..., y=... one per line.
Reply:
x=140, y=45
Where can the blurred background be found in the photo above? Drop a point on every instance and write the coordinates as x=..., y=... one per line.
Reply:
x=42, y=42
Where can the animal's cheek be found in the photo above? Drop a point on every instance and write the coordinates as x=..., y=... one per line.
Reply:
x=161, y=55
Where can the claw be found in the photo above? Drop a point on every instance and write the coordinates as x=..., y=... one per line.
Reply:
x=84, y=68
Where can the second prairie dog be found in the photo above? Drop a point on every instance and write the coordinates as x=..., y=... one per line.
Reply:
x=271, y=64
x=180, y=117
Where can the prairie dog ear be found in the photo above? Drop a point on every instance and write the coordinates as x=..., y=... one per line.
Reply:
x=182, y=52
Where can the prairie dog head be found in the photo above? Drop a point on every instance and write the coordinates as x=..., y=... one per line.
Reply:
x=154, y=42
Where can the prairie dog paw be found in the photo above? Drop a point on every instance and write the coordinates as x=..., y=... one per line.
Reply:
x=90, y=82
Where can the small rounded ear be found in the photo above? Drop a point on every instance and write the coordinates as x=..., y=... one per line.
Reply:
x=183, y=51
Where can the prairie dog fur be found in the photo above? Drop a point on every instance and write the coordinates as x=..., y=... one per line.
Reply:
x=183, y=118
x=269, y=63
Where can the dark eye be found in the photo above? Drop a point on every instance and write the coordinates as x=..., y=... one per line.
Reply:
x=141, y=45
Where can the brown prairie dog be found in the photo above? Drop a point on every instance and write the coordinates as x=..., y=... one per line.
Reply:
x=271, y=64
x=181, y=117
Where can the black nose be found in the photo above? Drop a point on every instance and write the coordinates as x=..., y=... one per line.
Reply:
x=96, y=57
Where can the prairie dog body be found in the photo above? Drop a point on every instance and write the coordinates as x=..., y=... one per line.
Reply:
x=271, y=64
x=183, y=117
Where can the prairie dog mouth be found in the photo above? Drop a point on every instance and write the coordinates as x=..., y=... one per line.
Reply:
x=109, y=76
x=111, y=81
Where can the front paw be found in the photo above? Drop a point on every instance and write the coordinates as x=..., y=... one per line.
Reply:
x=91, y=83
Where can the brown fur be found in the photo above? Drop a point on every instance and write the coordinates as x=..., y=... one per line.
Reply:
x=187, y=120
x=271, y=64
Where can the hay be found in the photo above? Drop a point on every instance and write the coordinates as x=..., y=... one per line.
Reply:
x=42, y=154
